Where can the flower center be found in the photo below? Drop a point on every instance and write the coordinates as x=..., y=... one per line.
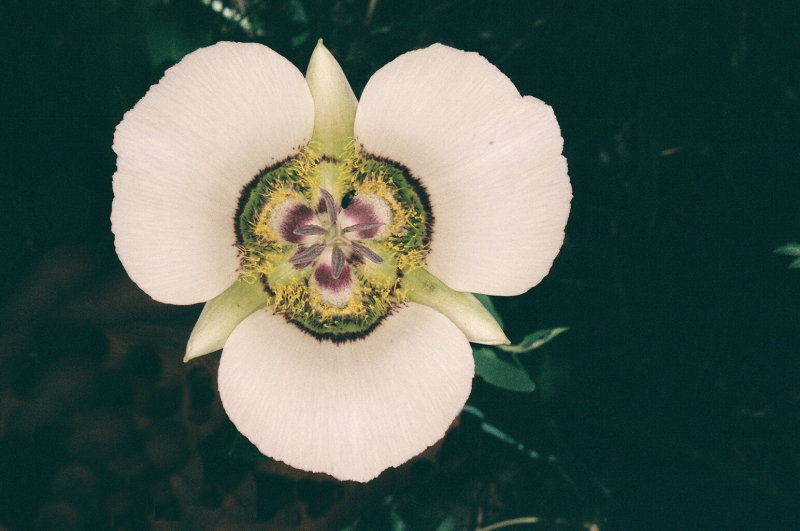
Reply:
x=333, y=259
x=331, y=235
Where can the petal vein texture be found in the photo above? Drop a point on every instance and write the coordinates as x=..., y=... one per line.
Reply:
x=353, y=409
x=489, y=158
x=184, y=154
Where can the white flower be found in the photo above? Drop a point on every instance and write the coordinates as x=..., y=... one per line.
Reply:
x=338, y=242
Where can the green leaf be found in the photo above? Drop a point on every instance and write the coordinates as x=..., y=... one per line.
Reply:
x=396, y=522
x=534, y=340
x=170, y=35
x=501, y=373
x=447, y=524
x=795, y=263
x=489, y=305
x=791, y=249
x=297, y=12
x=299, y=39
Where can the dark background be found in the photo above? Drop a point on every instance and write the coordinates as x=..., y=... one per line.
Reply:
x=673, y=401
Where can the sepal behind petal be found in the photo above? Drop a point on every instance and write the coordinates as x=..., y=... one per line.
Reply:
x=222, y=314
x=463, y=309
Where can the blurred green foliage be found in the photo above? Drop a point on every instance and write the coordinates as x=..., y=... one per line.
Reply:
x=790, y=249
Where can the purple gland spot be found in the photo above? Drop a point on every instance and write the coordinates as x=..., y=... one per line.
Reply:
x=359, y=212
x=296, y=216
x=324, y=277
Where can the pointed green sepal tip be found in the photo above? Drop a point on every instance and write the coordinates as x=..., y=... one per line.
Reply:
x=334, y=102
x=222, y=314
x=463, y=309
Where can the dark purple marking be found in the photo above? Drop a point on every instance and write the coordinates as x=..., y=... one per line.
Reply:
x=361, y=212
x=355, y=258
x=326, y=281
x=296, y=216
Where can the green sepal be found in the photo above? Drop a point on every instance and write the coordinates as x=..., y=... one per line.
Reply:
x=463, y=309
x=534, y=340
x=500, y=373
x=334, y=102
x=489, y=305
x=334, y=113
x=222, y=314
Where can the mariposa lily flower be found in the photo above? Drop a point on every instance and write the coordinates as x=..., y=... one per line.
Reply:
x=338, y=242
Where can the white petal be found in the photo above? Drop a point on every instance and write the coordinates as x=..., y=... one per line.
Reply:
x=489, y=159
x=353, y=409
x=185, y=152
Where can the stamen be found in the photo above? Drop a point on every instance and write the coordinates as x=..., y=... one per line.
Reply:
x=358, y=227
x=337, y=262
x=330, y=205
x=365, y=252
x=308, y=254
x=309, y=229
